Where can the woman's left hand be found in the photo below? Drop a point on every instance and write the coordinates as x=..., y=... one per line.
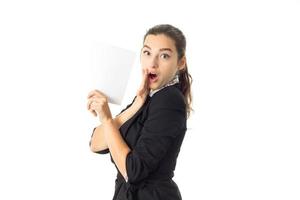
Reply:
x=98, y=104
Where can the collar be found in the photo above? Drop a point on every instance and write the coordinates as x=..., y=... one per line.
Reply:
x=172, y=82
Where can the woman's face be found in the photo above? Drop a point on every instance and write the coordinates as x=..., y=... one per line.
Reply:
x=159, y=57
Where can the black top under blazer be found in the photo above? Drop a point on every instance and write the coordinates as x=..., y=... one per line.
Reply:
x=154, y=135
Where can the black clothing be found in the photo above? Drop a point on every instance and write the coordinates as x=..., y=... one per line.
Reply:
x=154, y=135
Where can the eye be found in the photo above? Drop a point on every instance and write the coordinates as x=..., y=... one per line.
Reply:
x=146, y=52
x=165, y=56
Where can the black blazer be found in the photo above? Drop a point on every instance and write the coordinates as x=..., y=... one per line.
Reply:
x=154, y=135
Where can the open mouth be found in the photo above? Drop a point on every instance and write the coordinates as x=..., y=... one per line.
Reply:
x=152, y=77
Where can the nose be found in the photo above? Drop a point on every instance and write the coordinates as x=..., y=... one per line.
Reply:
x=154, y=62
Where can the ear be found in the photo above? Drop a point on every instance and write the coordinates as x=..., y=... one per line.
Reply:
x=182, y=63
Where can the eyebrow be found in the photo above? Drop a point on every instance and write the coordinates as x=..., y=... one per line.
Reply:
x=162, y=49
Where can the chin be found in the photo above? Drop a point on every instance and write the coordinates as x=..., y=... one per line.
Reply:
x=154, y=87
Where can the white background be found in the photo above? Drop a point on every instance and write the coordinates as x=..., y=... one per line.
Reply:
x=243, y=138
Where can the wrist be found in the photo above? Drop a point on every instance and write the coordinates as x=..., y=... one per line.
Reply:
x=108, y=121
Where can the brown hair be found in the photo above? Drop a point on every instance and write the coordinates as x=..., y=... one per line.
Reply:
x=185, y=79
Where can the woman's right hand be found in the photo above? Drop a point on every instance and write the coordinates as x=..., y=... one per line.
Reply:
x=143, y=90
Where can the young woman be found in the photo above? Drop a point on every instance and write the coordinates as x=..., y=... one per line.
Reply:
x=144, y=140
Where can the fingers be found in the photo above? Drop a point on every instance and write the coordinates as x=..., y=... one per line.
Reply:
x=144, y=79
x=91, y=93
x=89, y=103
x=145, y=75
x=95, y=92
x=95, y=96
x=89, y=107
x=144, y=87
x=96, y=100
x=94, y=113
x=92, y=98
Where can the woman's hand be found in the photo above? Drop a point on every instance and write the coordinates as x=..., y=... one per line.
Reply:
x=143, y=91
x=98, y=105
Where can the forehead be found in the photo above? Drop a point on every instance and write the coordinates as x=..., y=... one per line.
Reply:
x=159, y=41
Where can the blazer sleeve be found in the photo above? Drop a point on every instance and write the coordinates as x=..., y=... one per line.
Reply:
x=105, y=151
x=166, y=120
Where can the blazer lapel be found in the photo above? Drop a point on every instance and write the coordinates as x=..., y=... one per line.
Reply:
x=127, y=124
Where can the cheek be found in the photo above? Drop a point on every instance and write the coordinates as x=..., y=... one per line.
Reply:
x=170, y=71
x=144, y=62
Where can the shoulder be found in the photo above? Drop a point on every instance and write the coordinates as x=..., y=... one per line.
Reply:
x=169, y=97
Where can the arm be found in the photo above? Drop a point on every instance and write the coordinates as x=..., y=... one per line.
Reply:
x=98, y=142
x=117, y=146
x=113, y=139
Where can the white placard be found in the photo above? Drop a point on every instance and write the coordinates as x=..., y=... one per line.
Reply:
x=111, y=68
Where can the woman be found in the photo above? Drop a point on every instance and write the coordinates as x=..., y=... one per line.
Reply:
x=144, y=140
